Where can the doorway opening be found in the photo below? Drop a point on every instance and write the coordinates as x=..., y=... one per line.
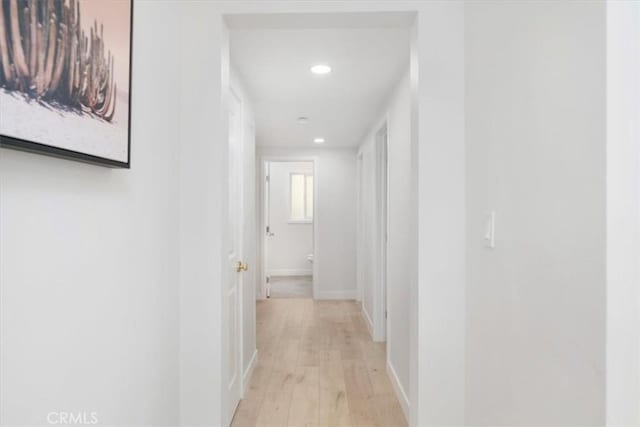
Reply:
x=322, y=99
x=288, y=223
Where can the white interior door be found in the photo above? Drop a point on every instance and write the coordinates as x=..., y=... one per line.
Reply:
x=234, y=252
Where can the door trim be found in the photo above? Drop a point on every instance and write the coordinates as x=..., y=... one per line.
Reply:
x=382, y=232
x=241, y=207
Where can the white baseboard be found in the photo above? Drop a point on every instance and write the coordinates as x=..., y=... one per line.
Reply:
x=367, y=320
x=286, y=272
x=246, y=377
x=349, y=294
x=397, y=387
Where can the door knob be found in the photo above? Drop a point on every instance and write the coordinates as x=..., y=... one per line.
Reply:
x=241, y=266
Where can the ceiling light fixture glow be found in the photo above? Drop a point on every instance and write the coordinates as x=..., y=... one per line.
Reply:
x=318, y=140
x=321, y=69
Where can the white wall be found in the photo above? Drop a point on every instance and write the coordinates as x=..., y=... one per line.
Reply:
x=89, y=264
x=437, y=325
x=291, y=242
x=335, y=216
x=623, y=214
x=204, y=127
x=399, y=231
x=535, y=140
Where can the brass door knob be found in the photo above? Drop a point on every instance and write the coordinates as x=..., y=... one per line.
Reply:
x=241, y=266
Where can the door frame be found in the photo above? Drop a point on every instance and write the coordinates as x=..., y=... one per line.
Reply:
x=242, y=124
x=263, y=161
x=436, y=311
x=381, y=144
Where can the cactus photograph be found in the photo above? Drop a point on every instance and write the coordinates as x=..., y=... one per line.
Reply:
x=65, y=68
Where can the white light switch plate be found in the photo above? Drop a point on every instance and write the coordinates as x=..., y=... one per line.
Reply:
x=490, y=230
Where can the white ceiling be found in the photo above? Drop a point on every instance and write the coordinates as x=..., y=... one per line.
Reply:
x=273, y=65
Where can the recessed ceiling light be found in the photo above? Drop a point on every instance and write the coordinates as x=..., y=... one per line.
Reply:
x=318, y=140
x=321, y=69
x=303, y=120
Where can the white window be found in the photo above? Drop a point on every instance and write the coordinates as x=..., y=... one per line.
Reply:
x=301, y=197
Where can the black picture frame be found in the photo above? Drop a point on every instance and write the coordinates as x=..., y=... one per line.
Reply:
x=63, y=153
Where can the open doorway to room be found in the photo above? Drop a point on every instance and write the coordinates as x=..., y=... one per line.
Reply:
x=288, y=215
x=328, y=93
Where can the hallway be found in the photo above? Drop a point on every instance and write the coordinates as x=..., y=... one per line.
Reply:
x=317, y=367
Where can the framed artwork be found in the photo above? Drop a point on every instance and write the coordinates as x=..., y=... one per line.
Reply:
x=65, y=78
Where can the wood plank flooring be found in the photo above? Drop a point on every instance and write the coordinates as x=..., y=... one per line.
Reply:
x=317, y=367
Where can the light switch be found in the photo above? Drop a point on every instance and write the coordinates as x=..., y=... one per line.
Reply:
x=490, y=230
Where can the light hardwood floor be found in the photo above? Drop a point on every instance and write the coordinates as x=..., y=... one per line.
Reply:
x=317, y=367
